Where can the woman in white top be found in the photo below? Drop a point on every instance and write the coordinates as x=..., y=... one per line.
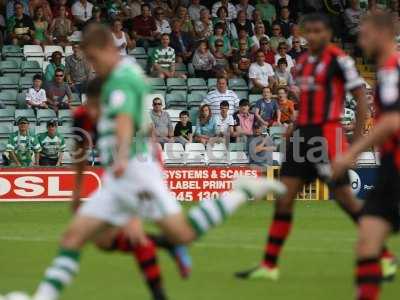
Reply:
x=121, y=39
x=259, y=33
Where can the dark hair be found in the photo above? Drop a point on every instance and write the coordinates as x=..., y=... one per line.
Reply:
x=264, y=40
x=35, y=14
x=220, y=9
x=183, y=113
x=383, y=20
x=37, y=77
x=282, y=44
x=93, y=89
x=260, y=51
x=282, y=88
x=59, y=70
x=164, y=34
x=202, y=119
x=219, y=26
x=18, y=3
x=144, y=5
x=317, y=18
x=53, y=55
x=222, y=77
x=282, y=61
x=244, y=102
x=224, y=104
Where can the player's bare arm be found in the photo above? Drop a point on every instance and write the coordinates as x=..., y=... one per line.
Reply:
x=361, y=111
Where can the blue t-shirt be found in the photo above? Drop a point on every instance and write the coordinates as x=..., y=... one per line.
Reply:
x=209, y=129
x=267, y=109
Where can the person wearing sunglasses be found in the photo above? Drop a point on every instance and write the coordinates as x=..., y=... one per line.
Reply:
x=59, y=95
x=297, y=50
x=276, y=37
x=282, y=53
x=162, y=124
x=55, y=63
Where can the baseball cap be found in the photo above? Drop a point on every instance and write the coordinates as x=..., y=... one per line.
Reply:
x=52, y=122
x=22, y=120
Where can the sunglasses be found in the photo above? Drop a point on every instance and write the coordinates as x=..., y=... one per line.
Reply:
x=282, y=48
x=296, y=42
x=157, y=104
x=59, y=75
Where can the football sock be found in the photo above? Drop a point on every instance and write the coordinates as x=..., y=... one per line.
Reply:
x=368, y=278
x=63, y=269
x=210, y=213
x=278, y=232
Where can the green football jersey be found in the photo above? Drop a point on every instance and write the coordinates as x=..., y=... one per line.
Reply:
x=23, y=146
x=51, y=146
x=123, y=92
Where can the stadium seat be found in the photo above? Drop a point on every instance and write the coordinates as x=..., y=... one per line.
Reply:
x=33, y=51
x=158, y=84
x=237, y=147
x=8, y=97
x=176, y=84
x=143, y=63
x=18, y=60
x=180, y=67
x=238, y=158
x=28, y=113
x=173, y=153
x=211, y=83
x=7, y=115
x=68, y=51
x=9, y=66
x=194, y=100
x=44, y=65
x=138, y=52
x=64, y=116
x=195, y=154
x=9, y=83
x=174, y=114
x=48, y=51
x=39, y=60
x=5, y=130
x=242, y=94
x=11, y=51
x=44, y=115
x=66, y=131
x=253, y=98
x=31, y=67
x=195, y=84
x=276, y=158
x=21, y=101
x=194, y=114
x=217, y=154
x=238, y=84
x=366, y=158
x=25, y=82
x=176, y=99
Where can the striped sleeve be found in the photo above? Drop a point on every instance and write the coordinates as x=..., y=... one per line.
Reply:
x=350, y=74
x=389, y=84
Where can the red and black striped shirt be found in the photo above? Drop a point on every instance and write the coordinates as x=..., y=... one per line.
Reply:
x=323, y=82
x=83, y=126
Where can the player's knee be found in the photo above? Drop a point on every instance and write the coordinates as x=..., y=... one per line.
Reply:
x=71, y=239
x=367, y=248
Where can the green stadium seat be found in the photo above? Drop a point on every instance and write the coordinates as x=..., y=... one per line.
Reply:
x=176, y=84
x=11, y=51
x=66, y=131
x=143, y=63
x=9, y=83
x=196, y=84
x=194, y=100
x=21, y=101
x=238, y=84
x=235, y=147
x=28, y=113
x=176, y=99
x=31, y=67
x=253, y=98
x=157, y=84
x=18, y=60
x=242, y=94
x=138, y=52
x=64, y=116
x=194, y=114
x=180, y=67
x=25, y=82
x=211, y=83
x=7, y=115
x=44, y=115
x=5, y=130
x=9, y=66
x=9, y=97
x=76, y=100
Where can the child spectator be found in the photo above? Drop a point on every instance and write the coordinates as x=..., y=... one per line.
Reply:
x=283, y=77
x=286, y=107
x=206, y=128
x=183, y=129
x=203, y=61
x=36, y=95
x=267, y=110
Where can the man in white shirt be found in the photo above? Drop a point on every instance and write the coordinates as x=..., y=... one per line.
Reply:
x=220, y=94
x=194, y=10
x=232, y=12
x=261, y=74
x=36, y=96
x=224, y=121
x=82, y=11
x=245, y=6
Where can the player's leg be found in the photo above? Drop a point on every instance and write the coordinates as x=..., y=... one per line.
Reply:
x=278, y=232
x=66, y=264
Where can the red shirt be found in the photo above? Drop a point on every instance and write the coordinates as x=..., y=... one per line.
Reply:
x=144, y=27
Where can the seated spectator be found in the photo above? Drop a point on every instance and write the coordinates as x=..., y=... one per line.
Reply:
x=283, y=77
x=20, y=28
x=284, y=21
x=59, y=95
x=230, y=9
x=52, y=146
x=204, y=27
x=242, y=22
x=241, y=60
x=222, y=19
x=267, y=10
x=183, y=17
x=203, y=61
x=41, y=27
x=221, y=93
x=22, y=145
x=261, y=74
x=259, y=33
x=10, y=8
x=244, y=121
x=183, y=129
x=276, y=38
x=77, y=71
x=122, y=40
x=244, y=37
x=297, y=50
x=282, y=53
x=267, y=110
x=56, y=7
x=145, y=28
x=257, y=18
x=206, y=127
x=44, y=4
x=222, y=66
x=163, y=130
x=165, y=5
x=132, y=8
x=163, y=59
x=296, y=33
x=286, y=107
x=261, y=147
x=61, y=27
x=82, y=12
x=224, y=122
x=195, y=9
x=246, y=7
x=219, y=34
x=161, y=22
x=182, y=43
x=352, y=19
x=55, y=63
x=97, y=17
x=268, y=53
x=36, y=95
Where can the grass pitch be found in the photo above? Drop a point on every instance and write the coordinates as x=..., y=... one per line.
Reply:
x=317, y=262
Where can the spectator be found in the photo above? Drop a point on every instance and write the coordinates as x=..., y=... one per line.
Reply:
x=61, y=27
x=242, y=22
x=297, y=50
x=204, y=28
x=182, y=43
x=162, y=124
x=222, y=67
x=230, y=8
x=244, y=37
x=261, y=147
x=261, y=74
x=121, y=39
x=36, y=95
x=10, y=8
x=163, y=59
x=244, y=121
x=258, y=19
x=195, y=9
x=268, y=11
x=55, y=63
x=222, y=19
x=203, y=61
x=145, y=28
x=246, y=7
x=52, y=146
x=284, y=21
x=221, y=93
x=57, y=6
x=296, y=34
x=133, y=8
x=224, y=122
x=259, y=33
x=22, y=145
x=164, y=5
x=41, y=27
x=97, y=17
x=241, y=60
x=161, y=22
x=284, y=78
x=206, y=128
x=20, y=28
x=268, y=53
x=282, y=53
x=286, y=107
x=276, y=37
x=219, y=34
x=183, y=129
x=59, y=95
x=82, y=12
x=44, y=4
x=352, y=19
x=77, y=71
x=183, y=17
x=267, y=110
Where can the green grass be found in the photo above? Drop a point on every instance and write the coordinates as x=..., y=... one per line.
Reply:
x=317, y=262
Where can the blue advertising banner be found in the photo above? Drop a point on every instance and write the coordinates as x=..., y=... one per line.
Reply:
x=362, y=180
